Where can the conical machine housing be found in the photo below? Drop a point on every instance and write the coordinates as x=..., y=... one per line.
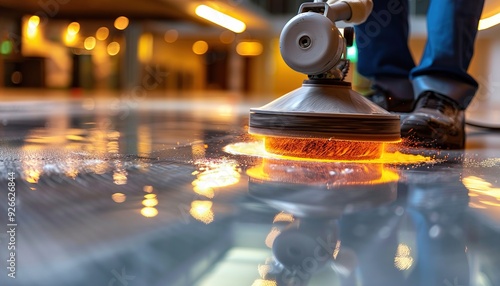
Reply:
x=327, y=109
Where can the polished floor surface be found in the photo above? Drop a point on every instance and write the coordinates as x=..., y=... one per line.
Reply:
x=141, y=191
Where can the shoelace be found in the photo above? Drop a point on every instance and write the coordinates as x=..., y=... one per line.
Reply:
x=433, y=102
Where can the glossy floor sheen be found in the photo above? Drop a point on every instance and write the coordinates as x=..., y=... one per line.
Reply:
x=138, y=191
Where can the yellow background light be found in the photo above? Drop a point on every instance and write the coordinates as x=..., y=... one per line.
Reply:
x=72, y=33
x=33, y=22
x=200, y=47
x=113, y=48
x=102, y=33
x=121, y=23
x=89, y=43
x=489, y=22
x=145, y=49
x=220, y=19
x=32, y=27
x=249, y=48
x=73, y=28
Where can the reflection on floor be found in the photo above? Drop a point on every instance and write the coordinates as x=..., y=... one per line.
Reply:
x=139, y=190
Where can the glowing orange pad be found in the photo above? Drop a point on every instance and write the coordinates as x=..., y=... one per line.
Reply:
x=256, y=149
x=324, y=148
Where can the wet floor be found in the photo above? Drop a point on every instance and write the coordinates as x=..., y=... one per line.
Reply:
x=145, y=192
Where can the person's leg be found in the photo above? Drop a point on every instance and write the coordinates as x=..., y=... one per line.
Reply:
x=441, y=82
x=383, y=53
x=452, y=28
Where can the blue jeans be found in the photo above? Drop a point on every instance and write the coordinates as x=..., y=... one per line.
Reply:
x=384, y=56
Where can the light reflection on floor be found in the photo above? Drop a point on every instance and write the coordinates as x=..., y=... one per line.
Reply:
x=256, y=149
x=175, y=190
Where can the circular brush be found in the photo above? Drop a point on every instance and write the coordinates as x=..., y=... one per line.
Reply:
x=324, y=148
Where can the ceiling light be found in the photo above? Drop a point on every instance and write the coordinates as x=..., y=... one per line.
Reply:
x=220, y=19
x=89, y=43
x=102, y=33
x=249, y=48
x=489, y=22
x=121, y=23
x=113, y=48
x=73, y=28
x=200, y=47
x=33, y=22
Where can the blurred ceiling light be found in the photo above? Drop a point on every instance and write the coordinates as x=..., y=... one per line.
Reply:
x=102, y=33
x=71, y=33
x=171, y=36
x=89, y=43
x=489, y=22
x=200, y=47
x=220, y=19
x=73, y=28
x=227, y=37
x=33, y=22
x=113, y=48
x=121, y=23
x=249, y=49
x=32, y=27
x=145, y=48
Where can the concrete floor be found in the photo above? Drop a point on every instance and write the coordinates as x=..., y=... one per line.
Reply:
x=138, y=191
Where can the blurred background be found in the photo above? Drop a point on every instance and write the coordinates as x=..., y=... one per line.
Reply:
x=69, y=153
x=168, y=46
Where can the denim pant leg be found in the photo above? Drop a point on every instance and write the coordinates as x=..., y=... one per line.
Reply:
x=452, y=28
x=383, y=53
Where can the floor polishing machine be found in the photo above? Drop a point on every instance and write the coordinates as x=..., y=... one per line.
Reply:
x=324, y=118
